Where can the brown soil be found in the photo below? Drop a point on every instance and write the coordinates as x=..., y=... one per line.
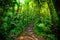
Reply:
x=28, y=34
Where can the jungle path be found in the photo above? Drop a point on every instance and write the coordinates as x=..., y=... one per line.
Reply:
x=28, y=34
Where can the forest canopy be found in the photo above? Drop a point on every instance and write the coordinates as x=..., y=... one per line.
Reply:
x=16, y=15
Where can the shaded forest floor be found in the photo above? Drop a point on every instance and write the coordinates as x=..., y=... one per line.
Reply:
x=28, y=34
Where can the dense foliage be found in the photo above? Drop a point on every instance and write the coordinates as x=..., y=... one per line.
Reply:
x=15, y=16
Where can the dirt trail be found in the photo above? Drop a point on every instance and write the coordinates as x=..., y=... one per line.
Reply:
x=28, y=34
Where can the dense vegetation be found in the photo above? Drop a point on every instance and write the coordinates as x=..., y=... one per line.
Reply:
x=15, y=16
